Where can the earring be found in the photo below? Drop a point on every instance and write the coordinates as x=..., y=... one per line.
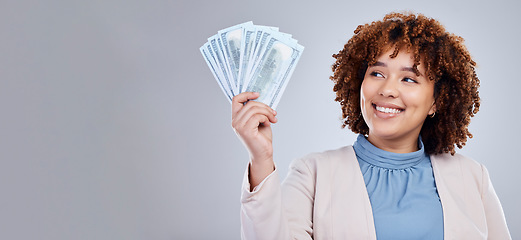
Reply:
x=432, y=116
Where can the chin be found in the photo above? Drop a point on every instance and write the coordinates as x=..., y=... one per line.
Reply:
x=384, y=133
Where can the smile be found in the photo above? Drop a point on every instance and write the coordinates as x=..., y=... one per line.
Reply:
x=388, y=110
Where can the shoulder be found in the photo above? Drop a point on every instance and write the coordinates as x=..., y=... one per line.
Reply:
x=459, y=169
x=447, y=160
x=326, y=160
x=326, y=156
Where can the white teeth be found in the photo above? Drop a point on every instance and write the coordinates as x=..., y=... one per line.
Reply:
x=388, y=110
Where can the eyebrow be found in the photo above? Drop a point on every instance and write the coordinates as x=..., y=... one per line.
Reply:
x=382, y=64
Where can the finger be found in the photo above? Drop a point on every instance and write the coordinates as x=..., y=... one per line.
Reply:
x=251, y=109
x=248, y=114
x=256, y=121
x=252, y=104
x=239, y=100
x=247, y=107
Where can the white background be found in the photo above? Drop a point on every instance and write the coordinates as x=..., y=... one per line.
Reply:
x=112, y=126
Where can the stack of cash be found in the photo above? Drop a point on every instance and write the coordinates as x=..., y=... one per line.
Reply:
x=252, y=58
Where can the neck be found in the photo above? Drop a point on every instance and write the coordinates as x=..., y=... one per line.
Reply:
x=405, y=145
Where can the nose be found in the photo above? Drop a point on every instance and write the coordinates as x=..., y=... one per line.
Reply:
x=389, y=88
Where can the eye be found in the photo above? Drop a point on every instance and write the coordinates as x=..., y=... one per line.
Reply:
x=377, y=74
x=409, y=80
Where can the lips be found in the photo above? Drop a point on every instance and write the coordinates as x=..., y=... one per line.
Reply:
x=388, y=109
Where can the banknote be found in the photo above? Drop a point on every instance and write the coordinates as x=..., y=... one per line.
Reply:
x=271, y=74
x=248, y=57
x=246, y=49
x=208, y=57
x=231, y=39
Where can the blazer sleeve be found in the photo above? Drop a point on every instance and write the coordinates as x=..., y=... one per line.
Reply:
x=272, y=211
x=496, y=223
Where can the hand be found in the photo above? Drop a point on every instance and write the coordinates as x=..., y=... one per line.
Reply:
x=251, y=122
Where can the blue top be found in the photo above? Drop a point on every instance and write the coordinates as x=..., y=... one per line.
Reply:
x=402, y=192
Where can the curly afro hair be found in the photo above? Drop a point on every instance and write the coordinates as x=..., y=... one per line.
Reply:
x=447, y=63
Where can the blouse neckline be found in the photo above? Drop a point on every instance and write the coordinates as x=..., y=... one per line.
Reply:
x=369, y=153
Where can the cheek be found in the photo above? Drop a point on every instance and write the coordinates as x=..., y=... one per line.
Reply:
x=418, y=99
x=366, y=94
x=363, y=95
x=367, y=91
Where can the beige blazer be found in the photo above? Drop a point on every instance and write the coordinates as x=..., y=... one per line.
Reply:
x=324, y=197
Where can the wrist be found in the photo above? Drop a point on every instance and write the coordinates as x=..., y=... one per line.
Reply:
x=266, y=163
x=259, y=170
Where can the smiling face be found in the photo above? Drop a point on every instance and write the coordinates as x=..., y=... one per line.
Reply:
x=395, y=102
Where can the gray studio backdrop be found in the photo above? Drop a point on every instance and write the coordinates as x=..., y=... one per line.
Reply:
x=112, y=126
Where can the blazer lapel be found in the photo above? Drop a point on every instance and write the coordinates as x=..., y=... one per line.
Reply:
x=451, y=189
x=355, y=215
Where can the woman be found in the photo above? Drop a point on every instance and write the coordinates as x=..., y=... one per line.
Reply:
x=409, y=89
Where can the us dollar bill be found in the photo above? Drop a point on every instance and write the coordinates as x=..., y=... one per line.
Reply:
x=248, y=57
x=231, y=39
x=210, y=61
x=246, y=50
x=216, y=46
x=271, y=75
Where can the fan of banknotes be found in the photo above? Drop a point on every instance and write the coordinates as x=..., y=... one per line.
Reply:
x=252, y=58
